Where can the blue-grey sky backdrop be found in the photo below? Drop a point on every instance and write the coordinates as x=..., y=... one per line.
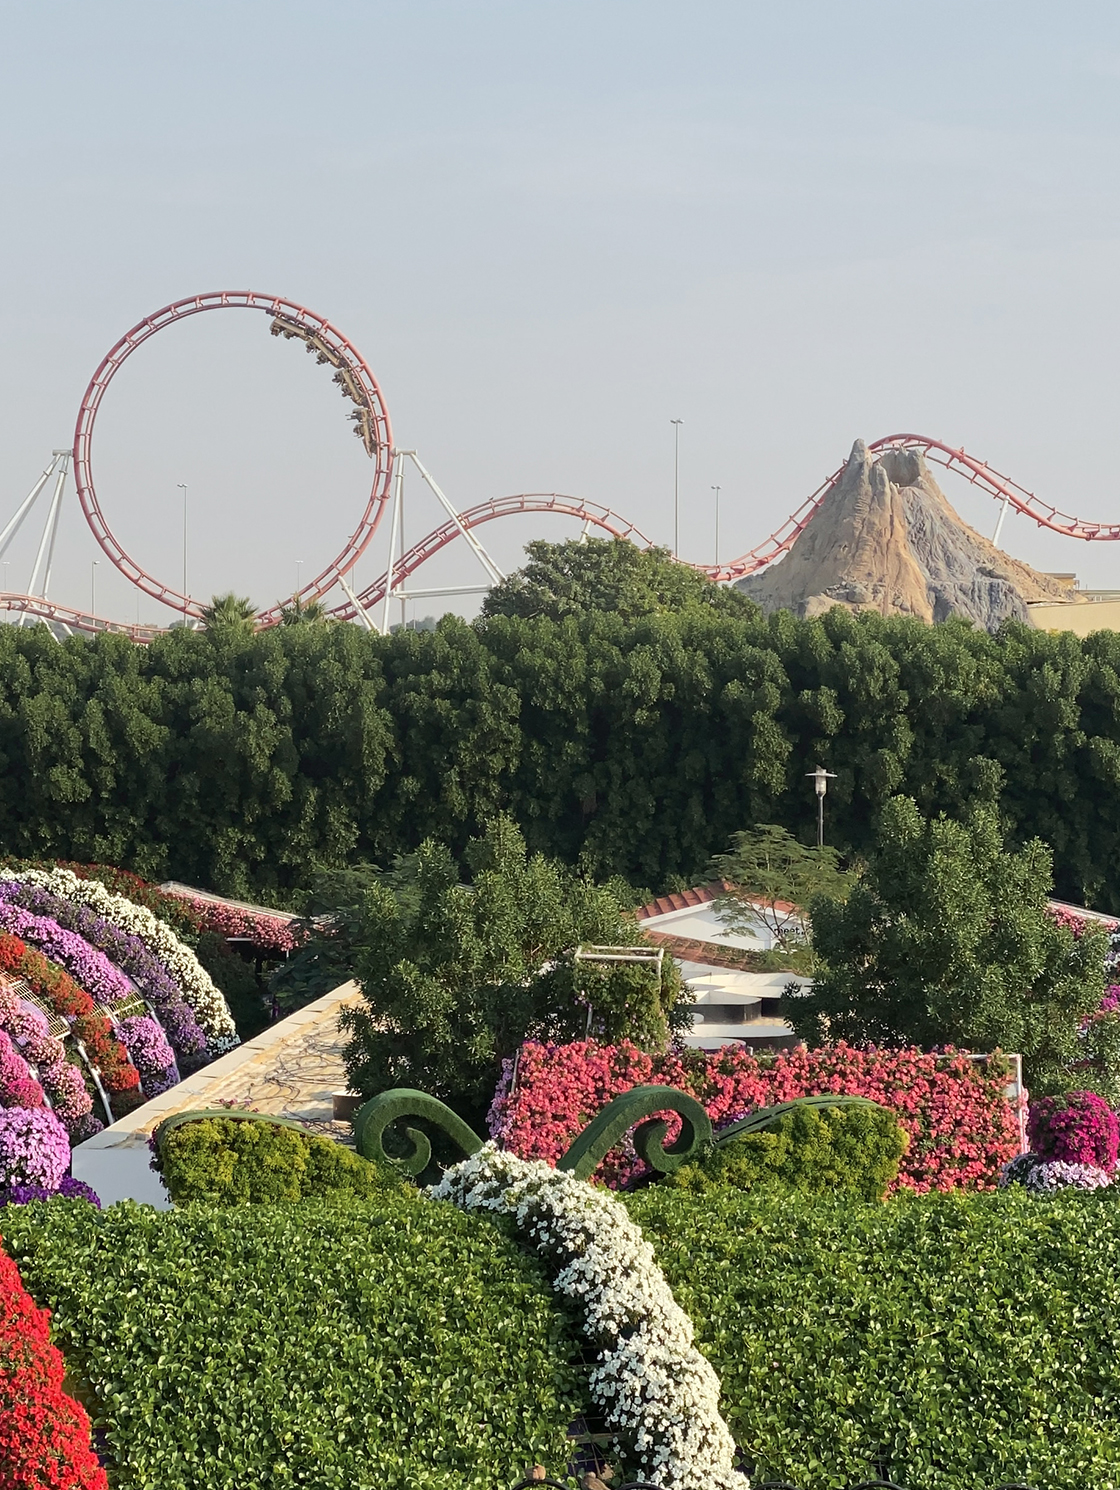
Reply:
x=551, y=228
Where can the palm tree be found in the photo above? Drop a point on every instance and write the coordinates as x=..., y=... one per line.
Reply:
x=300, y=613
x=230, y=613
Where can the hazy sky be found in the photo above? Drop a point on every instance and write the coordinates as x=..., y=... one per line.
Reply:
x=551, y=228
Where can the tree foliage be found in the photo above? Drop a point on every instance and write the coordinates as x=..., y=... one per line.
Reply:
x=456, y=976
x=772, y=878
x=610, y=575
x=945, y=940
x=244, y=762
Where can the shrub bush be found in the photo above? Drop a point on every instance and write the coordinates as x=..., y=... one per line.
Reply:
x=44, y=1434
x=962, y=1127
x=390, y=1344
x=232, y=1161
x=1079, y=1128
x=943, y=1341
x=811, y=1150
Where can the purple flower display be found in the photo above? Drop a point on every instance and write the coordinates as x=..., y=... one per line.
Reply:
x=1048, y=1176
x=127, y=952
x=152, y=1056
x=68, y=1189
x=34, y=1148
x=86, y=965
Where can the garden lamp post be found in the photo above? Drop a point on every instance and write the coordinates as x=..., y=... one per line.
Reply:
x=93, y=587
x=716, y=490
x=182, y=485
x=821, y=778
x=676, y=423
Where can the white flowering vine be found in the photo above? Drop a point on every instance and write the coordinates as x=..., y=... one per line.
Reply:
x=658, y=1394
x=207, y=1002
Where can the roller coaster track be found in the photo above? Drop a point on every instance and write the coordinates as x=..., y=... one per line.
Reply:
x=978, y=473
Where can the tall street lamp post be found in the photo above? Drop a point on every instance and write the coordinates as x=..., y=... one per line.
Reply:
x=716, y=490
x=676, y=423
x=183, y=488
x=821, y=777
x=93, y=587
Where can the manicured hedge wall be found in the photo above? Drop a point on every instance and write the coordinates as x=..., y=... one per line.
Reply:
x=375, y=1345
x=958, y=1341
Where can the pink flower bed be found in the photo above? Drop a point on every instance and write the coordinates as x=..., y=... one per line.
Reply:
x=270, y=933
x=961, y=1123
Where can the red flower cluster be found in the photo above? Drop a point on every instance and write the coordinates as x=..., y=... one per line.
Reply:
x=961, y=1123
x=44, y=1433
x=119, y=1076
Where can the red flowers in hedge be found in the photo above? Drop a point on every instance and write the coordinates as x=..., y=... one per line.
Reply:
x=44, y=1433
x=961, y=1124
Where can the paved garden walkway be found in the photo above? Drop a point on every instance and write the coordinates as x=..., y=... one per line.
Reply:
x=291, y=1069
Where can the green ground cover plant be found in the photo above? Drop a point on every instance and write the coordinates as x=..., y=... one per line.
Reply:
x=948, y=1341
x=389, y=1344
x=228, y=1161
x=813, y=1151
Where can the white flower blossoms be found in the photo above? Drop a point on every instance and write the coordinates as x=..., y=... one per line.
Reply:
x=207, y=1002
x=656, y=1390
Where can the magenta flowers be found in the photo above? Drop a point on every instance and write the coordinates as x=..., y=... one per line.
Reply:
x=1079, y=1128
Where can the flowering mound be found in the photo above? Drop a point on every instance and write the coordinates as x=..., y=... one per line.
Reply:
x=1079, y=1128
x=176, y=958
x=657, y=1392
x=1047, y=1176
x=961, y=1124
x=93, y=1029
x=269, y=933
x=44, y=1433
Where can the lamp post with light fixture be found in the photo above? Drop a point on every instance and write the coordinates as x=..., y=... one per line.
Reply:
x=821, y=778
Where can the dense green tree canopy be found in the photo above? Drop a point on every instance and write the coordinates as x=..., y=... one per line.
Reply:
x=945, y=939
x=611, y=575
x=245, y=761
x=455, y=976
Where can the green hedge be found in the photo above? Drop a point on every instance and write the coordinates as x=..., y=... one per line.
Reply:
x=390, y=1344
x=811, y=1150
x=229, y=1161
x=959, y=1341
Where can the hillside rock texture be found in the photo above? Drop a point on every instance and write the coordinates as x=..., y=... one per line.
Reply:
x=886, y=539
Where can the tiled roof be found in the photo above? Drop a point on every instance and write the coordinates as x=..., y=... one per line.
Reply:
x=684, y=900
x=681, y=900
x=710, y=954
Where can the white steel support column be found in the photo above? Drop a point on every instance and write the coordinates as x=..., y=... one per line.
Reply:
x=999, y=520
x=480, y=553
x=28, y=502
x=363, y=614
x=50, y=529
x=398, y=496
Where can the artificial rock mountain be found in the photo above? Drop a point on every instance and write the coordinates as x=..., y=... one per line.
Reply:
x=885, y=539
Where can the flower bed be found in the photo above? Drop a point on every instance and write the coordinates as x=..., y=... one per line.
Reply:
x=178, y=960
x=387, y=1342
x=269, y=933
x=58, y=990
x=961, y=1124
x=128, y=953
x=85, y=964
x=44, y=1433
x=657, y=1393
